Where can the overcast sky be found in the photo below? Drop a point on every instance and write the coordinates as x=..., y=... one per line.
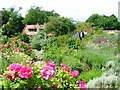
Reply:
x=78, y=10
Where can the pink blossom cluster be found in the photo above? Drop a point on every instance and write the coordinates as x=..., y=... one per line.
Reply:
x=65, y=67
x=74, y=73
x=82, y=85
x=48, y=71
x=16, y=68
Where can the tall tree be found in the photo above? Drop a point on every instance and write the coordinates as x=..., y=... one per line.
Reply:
x=107, y=22
x=59, y=25
x=37, y=15
x=13, y=23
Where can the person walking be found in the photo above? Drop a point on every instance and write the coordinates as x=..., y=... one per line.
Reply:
x=81, y=35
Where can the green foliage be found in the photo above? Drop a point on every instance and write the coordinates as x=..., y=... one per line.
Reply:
x=14, y=24
x=37, y=15
x=60, y=78
x=38, y=41
x=108, y=79
x=11, y=57
x=17, y=45
x=23, y=37
x=63, y=49
x=107, y=22
x=95, y=58
x=88, y=75
x=85, y=26
x=3, y=39
x=38, y=54
x=6, y=13
x=59, y=25
x=113, y=38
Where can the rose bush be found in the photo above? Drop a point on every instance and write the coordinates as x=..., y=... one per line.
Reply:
x=17, y=45
x=31, y=76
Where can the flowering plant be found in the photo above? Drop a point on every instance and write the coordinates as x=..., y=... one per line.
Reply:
x=17, y=45
x=39, y=77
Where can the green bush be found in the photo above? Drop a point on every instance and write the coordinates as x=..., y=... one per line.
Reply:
x=88, y=75
x=95, y=58
x=59, y=25
x=38, y=41
x=13, y=56
x=23, y=37
x=63, y=55
x=17, y=45
x=3, y=39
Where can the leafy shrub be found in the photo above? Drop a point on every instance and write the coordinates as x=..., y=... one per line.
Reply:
x=23, y=37
x=109, y=79
x=13, y=56
x=65, y=55
x=38, y=54
x=73, y=43
x=59, y=25
x=65, y=40
x=17, y=45
x=3, y=39
x=38, y=42
x=100, y=39
x=19, y=76
x=88, y=75
x=95, y=58
x=113, y=38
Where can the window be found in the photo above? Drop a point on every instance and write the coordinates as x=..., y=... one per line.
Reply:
x=32, y=30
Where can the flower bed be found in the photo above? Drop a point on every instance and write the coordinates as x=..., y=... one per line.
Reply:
x=40, y=77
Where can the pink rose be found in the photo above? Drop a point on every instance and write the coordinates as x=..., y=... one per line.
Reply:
x=53, y=85
x=47, y=72
x=11, y=76
x=82, y=85
x=52, y=64
x=39, y=88
x=15, y=39
x=67, y=69
x=15, y=67
x=25, y=72
x=63, y=65
x=74, y=73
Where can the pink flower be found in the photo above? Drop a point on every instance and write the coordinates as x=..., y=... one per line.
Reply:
x=63, y=65
x=15, y=67
x=31, y=62
x=15, y=39
x=53, y=85
x=52, y=64
x=11, y=76
x=82, y=85
x=25, y=72
x=47, y=72
x=39, y=88
x=24, y=49
x=74, y=73
x=67, y=69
